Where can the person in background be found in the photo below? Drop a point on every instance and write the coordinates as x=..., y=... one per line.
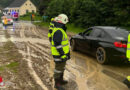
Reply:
x=127, y=79
x=51, y=27
x=5, y=23
x=33, y=17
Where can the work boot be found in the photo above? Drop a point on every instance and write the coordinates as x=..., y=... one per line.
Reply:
x=62, y=81
x=58, y=85
x=126, y=82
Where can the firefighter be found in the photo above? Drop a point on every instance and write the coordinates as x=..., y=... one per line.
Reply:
x=60, y=49
x=5, y=22
x=127, y=80
x=51, y=27
x=32, y=17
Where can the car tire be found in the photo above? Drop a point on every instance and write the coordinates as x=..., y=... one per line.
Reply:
x=73, y=45
x=101, y=56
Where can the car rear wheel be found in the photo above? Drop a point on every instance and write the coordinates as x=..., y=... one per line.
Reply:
x=73, y=46
x=101, y=56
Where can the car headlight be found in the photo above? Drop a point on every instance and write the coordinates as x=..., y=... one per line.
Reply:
x=11, y=21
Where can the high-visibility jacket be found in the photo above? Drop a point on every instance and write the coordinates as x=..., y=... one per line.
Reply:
x=128, y=48
x=51, y=27
x=128, y=78
x=64, y=44
x=5, y=21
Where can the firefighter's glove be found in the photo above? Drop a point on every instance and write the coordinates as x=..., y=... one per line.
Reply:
x=64, y=58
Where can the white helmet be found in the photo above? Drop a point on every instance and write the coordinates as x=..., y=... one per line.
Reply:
x=62, y=18
x=56, y=19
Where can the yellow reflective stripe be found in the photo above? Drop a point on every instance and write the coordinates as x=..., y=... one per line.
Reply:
x=128, y=77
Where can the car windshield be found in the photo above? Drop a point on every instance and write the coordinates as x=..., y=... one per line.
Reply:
x=118, y=32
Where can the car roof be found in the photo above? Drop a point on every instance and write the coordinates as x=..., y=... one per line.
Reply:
x=114, y=31
x=106, y=27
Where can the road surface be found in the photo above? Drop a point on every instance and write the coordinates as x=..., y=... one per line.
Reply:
x=35, y=66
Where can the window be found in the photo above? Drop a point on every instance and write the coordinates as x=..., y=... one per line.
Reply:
x=98, y=33
x=87, y=32
x=26, y=4
x=30, y=4
x=17, y=10
x=32, y=11
x=26, y=11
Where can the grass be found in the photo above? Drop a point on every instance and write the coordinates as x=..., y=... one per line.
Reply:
x=12, y=66
x=28, y=18
x=70, y=27
x=74, y=29
x=41, y=24
x=10, y=54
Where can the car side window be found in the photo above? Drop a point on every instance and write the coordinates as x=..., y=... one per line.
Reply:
x=87, y=32
x=98, y=33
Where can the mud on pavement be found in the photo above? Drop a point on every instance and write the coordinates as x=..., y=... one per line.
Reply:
x=26, y=63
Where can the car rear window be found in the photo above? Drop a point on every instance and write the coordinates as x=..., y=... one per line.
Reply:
x=118, y=32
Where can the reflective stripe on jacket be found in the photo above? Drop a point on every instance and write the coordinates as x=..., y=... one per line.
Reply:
x=128, y=48
x=5, y=21
x=64, y=44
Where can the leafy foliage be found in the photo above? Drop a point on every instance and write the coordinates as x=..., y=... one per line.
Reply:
x=87, y=13
x=5, y=3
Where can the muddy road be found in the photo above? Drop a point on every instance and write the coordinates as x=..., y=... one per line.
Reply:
x=26, y=63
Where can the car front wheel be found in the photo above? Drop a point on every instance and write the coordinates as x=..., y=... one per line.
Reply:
x=101, y=56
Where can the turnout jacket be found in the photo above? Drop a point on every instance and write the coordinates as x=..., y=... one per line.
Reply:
x=60, y=44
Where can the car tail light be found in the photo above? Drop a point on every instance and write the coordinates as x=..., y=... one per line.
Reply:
x=120, y=45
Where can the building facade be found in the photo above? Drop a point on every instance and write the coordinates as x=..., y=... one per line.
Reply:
x=21, y=6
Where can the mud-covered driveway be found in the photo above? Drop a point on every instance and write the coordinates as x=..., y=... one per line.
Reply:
x=26, y=63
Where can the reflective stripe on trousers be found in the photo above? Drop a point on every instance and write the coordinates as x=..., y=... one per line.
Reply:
x=57, y=71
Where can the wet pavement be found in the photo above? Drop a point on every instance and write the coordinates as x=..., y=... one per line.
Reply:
x=82, y=71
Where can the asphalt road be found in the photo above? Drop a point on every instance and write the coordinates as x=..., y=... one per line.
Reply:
x=82, y=71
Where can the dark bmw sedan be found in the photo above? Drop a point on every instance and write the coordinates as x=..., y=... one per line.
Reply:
x=106, y=43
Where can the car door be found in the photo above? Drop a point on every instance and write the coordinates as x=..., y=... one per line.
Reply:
x=96, y=37
x=84, y=41
x=92, y=40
